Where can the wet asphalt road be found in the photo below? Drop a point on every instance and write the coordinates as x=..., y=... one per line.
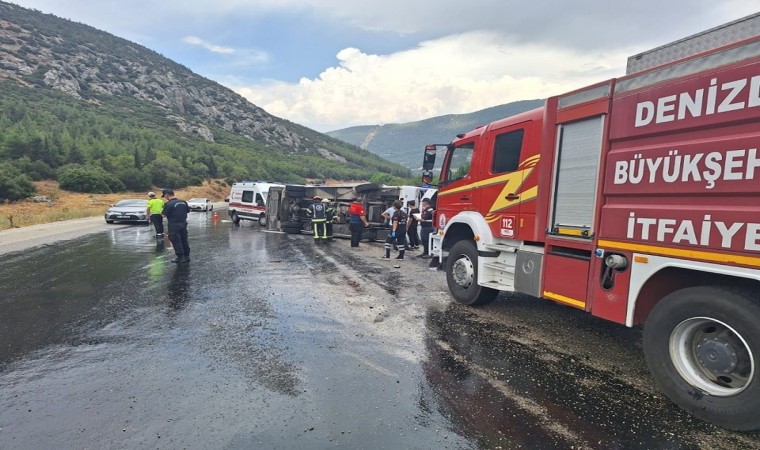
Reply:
x=265, y=341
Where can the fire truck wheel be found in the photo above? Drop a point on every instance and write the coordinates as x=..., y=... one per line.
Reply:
x=703, y=349
x=263, y=220
x=235, y=218
x=462, y=275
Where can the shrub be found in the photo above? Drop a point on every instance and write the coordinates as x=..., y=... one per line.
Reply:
x=13, y=184
x=85, y=179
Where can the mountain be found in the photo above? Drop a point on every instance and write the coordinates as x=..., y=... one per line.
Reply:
x=404, y=143
x=74, y=97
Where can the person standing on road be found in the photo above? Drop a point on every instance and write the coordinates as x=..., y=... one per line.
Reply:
x=330, y=213
x=426, y=227
x=411, y=228
x=318, y=213
x=176, y=211
x=357, y=221
x=154, y=211
x=398, y=232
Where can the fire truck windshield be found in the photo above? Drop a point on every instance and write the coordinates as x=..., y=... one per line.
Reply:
x=458, y=161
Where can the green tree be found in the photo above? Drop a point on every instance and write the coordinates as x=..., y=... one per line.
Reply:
x=13, y=184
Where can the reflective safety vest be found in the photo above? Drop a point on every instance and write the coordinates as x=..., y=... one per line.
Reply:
x=156, y=205
x=318, y=212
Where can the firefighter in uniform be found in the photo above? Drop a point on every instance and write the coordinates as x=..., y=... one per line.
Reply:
x=318, y=213
x=398, y=232
x=330, y=212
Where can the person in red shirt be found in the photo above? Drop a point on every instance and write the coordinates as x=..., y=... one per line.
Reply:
x=357, y=221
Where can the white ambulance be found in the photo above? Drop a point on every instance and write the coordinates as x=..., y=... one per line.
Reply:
x=247, y=201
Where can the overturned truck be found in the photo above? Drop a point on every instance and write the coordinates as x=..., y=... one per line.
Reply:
x=287, y=206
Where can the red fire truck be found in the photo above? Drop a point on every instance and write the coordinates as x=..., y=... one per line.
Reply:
x=636, y=199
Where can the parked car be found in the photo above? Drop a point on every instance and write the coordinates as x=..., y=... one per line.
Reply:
x=128, y=210
x=200, y=204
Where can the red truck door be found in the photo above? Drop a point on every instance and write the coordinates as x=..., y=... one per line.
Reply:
x=509, y=184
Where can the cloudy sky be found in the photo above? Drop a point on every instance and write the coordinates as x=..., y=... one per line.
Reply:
x=331, y=64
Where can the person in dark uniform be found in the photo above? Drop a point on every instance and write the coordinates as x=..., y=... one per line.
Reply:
x=398, y=232
x=426, y=227
x=357, y=221
x=175, y=211
x=411, y=227
x=318, y=213
x=330, y=212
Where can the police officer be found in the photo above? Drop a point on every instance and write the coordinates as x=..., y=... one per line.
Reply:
x=318, y=213
x=398, y=231
x=176, y=211
x=154, y=210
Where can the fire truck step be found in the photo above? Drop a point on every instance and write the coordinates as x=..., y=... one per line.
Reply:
x=503, y=247
x=500, y=266
x=498, y=286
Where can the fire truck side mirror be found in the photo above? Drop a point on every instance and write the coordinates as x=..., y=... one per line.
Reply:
x=428, y=161
x=427, y=176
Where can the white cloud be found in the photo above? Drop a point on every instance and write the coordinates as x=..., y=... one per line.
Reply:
x=194, y=40
x=455, y=74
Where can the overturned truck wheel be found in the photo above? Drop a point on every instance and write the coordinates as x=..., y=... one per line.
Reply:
x=292, y=227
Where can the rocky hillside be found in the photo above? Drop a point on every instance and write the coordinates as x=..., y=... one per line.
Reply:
x=404, y=143
x=44, y=53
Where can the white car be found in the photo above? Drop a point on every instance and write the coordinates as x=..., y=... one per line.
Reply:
x=200, y=204
x=128, y=210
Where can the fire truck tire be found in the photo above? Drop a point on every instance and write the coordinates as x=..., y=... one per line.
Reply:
x=462, y=275
x=262, y=219
x=235, y=218
x=703, y=349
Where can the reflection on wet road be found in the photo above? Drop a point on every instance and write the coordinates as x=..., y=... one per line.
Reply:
x=264, y=341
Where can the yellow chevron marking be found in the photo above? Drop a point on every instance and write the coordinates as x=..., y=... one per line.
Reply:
x=512, y=181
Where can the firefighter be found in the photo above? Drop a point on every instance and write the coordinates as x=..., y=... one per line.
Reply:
x=318, y=213
x=330, y=213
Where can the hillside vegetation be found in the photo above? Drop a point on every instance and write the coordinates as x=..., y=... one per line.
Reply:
x=98, y=113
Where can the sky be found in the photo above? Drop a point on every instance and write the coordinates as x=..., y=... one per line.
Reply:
x=332, y=64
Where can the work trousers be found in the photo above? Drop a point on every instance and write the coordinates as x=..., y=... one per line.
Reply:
x=414, y=239
x=158, y=223
x=357, y=229
x=425, y=236
x=320, y=229
x=178, y=238
x=400, y=240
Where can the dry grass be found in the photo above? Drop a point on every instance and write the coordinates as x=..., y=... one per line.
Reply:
x=67, y=205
